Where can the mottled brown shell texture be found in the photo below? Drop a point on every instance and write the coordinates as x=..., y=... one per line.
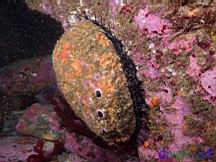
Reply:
x=91, y=76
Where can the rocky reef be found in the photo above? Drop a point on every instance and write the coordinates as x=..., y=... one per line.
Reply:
x=172, y=44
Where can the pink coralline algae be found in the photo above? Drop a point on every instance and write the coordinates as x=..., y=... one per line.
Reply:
x=194, y=68
x=28, y=149
x=71, y=144
x=116, y=6
x=45, y=150
x=46, y=8
x=148, y=71
x=72, y=157
x=180, y=45
x=208, y=81
x=138, y=58
x=84, y=147
x=16, y=148
x=165, y=96
x=146, y=153
x=176, y=122
x=40, y=121
x=152, y=23
x=158, y=27
x=147, y=68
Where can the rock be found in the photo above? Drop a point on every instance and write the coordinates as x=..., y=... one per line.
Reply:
x=71, y=157
x=41, y=122
x=208, y=81
x=85, y=148
x=1, y=123
x=16, y=148
x=21, y=81
x=9, y=123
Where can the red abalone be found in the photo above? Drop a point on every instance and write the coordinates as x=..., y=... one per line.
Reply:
x=91, y=76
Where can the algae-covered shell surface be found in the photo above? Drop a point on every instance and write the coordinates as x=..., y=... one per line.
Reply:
x=90, y=75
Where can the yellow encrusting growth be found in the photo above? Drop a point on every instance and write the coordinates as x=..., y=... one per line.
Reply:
x=102, y=40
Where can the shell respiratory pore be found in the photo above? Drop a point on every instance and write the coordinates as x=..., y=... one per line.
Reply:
x=91, y=76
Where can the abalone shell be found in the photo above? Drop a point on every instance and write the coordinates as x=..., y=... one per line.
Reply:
x=90, y=74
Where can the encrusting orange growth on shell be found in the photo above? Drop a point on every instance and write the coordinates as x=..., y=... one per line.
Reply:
x=77, y=68
x=87, y=70
x=106, y=87
x=64, y=51
x=106, y=59
x=102, y=40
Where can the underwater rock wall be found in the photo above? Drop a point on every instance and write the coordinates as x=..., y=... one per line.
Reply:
x=22, y=80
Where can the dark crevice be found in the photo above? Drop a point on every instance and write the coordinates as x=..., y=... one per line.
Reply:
x=25, y=33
